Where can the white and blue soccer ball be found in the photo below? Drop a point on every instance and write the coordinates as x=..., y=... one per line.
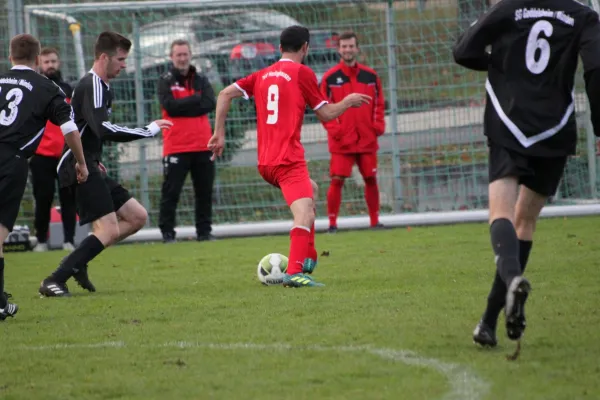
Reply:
x=271, y=269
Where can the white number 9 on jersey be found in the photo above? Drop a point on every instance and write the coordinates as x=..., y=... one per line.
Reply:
x=535, y=43
x=273, y=104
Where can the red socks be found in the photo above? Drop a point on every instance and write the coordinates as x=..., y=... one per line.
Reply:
x=372, y=198
x=312, y=250
x=334, y=199
x=300, y=237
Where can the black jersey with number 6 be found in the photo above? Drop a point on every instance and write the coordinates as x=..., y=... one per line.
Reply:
x=27, y=101
x=531, y=68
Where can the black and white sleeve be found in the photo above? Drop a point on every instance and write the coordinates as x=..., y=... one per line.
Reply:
x=589, y=50
x=95, y=114
x=60, y=113
x=470, y=50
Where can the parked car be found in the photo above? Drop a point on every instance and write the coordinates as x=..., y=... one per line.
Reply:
x=231, y=43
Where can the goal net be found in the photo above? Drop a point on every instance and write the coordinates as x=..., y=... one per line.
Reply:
x=432, y=157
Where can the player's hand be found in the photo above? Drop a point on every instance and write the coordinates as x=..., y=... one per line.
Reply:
x=102, y=168
x=163, y=123
x=82, y=172
x=357, y=99
x=216, y=144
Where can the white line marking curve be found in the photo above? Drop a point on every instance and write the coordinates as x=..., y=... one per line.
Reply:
x=464, y=385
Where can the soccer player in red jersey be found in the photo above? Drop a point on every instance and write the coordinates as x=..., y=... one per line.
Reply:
x=281, y=93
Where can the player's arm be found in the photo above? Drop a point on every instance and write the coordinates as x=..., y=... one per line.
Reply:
x=379, y=112
x=60, y=113
x=68, y=90
x=589, y=50
x=327, y=111
x=224, y=100
x=324, y=110
x=592, y=87
x=470, y=48
x=192, y=106
x=242, y=88
x=324, y=87
x=333, y=126
x=95, y=114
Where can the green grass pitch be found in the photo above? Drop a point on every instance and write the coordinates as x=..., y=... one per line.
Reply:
x=191, y=321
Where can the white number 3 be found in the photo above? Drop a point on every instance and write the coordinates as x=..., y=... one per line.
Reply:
x=12, y=106
x=535, y=43
x=273, y=104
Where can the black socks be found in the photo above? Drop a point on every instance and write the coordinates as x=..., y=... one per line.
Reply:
x=497, y=296
x=83, y=254
x=506, y=248
x=524, y=250
x=3, y=299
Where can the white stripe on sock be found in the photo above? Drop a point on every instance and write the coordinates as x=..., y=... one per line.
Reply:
x=300, y=227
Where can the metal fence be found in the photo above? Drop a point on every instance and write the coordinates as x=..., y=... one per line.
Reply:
x=432, y=157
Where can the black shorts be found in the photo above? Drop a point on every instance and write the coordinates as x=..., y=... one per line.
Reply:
x=540, y=174
x=13, y=180
x=100, y=195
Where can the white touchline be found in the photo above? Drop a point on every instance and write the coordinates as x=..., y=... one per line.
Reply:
x=463, y=384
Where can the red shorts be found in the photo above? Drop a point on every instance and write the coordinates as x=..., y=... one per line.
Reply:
x=292, y=179
x=341, y=164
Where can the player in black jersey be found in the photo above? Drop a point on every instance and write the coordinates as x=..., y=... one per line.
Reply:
x=530, y=124
x=27, y=101
x=115, y=214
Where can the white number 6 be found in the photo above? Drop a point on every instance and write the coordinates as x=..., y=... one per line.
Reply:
x=273, y=104
x=534, y=43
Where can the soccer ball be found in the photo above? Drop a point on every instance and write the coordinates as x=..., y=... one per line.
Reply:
x=271, y=269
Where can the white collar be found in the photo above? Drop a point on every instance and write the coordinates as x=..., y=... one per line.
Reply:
x=94, y=73
x=22, y=67
x=286, y=59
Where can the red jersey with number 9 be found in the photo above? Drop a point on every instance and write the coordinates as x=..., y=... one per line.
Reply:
x=281, y=93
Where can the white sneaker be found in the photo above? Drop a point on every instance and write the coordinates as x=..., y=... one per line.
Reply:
x=40, y=247
x=68, y=246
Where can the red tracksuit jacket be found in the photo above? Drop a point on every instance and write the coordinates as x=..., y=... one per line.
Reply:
x=357, y=130
x=186, y=100
x=53, y=141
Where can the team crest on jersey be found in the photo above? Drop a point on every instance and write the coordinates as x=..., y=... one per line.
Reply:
x=339, y=80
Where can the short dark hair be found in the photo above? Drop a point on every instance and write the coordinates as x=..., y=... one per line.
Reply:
x=180, y=42
x=109, y=43
x=348, y=35
x=293, y=38
x=24, y=48
x=49, y=50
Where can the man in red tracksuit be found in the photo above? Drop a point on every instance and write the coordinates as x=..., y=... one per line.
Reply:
x=43, y=167
x=186, y=97
x=353, y=136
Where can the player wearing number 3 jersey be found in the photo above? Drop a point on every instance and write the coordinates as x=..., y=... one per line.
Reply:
x=27, y=101
x=530, y=124
x=281, y=93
